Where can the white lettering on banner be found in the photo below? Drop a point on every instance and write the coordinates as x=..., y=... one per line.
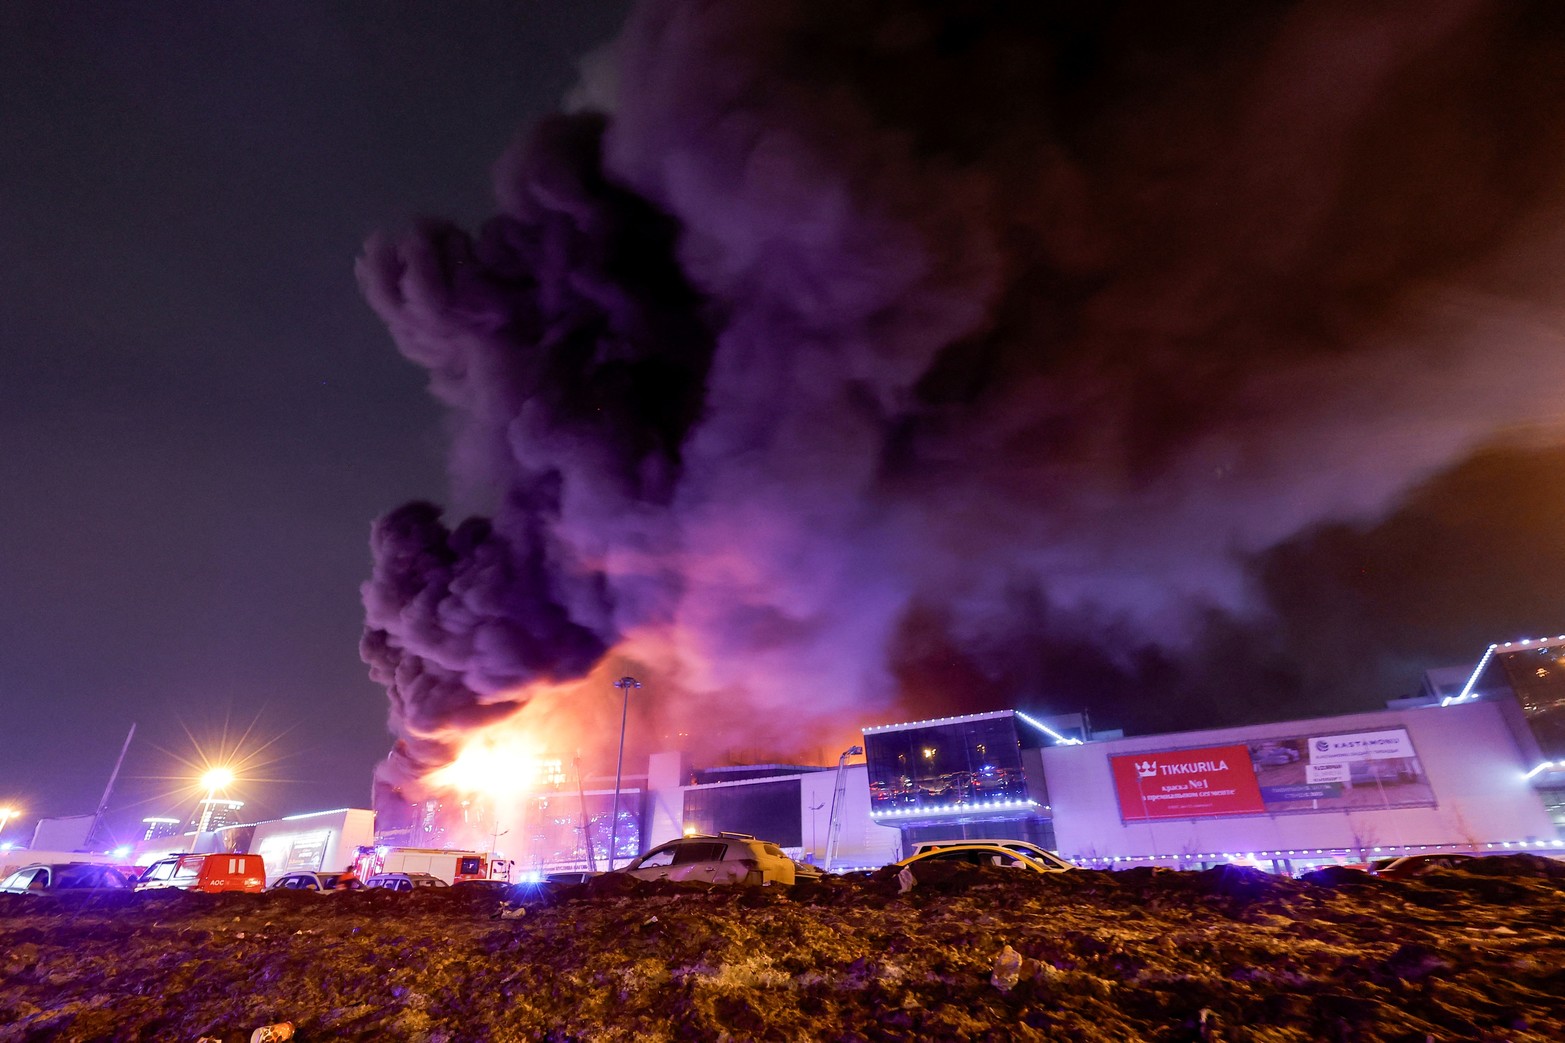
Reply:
x=1191, y=767
x=1360, y=746
x=1186, y=794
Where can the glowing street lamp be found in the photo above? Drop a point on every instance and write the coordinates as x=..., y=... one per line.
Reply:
x=213, y=780
x=624, y=684
x=6, y=814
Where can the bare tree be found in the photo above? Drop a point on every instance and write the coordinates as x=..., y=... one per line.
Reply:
x=1365, y=837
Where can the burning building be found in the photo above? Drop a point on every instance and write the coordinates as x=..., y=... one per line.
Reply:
x=858, y=362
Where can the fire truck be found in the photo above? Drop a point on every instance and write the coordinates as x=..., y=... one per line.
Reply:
x=448, y=865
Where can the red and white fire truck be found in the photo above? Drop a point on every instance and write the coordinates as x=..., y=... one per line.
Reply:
x=448, y=865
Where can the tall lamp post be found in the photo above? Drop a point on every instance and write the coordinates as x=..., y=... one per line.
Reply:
x=624, y=684
x=214, y=780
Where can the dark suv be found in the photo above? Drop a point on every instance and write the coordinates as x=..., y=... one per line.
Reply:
x=63, y=877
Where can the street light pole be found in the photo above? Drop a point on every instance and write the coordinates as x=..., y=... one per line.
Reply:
x=624, y=684
x=214, y=780
x=206, y=809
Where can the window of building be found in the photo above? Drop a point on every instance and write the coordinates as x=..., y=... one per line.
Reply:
x=770, y=811
x=946, y=767
x=1030, y=828
x=1554, y=801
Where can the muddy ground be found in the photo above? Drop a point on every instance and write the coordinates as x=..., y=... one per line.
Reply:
x=1229, y=954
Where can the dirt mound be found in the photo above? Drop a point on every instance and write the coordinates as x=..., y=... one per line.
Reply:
x=962, y=954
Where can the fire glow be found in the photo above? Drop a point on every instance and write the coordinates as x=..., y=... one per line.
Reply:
x=499, y=764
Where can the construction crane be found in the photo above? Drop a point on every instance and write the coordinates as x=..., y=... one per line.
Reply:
x=834, y=823
x=108, y=791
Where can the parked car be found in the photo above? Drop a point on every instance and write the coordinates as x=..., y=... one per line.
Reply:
x=1274, y=755
x=63, y=877
x=570, y=876
x=723, y=858
x=806, y=871
x=404, y=881
x=1027, y=849
x=1406, y=866
x=307, y=880
x=485, y=887
x=983, y=855
x=211, y=873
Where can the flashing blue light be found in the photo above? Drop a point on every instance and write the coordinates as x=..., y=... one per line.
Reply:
x=121, y=852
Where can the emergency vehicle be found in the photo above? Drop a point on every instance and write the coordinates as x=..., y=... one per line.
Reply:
x=448, y=865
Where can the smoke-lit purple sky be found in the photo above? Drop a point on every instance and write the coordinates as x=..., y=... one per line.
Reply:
x=199, y=415
x=861, y=360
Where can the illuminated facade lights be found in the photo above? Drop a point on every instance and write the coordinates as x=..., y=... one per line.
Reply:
x=1346, y=854
x=1059, y=740
x=962, y=719
x=158, y=827
x=216, y=813
x=956, y=809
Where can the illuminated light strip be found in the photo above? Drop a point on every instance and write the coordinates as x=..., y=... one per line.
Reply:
x=1468, y=687
x=1331, y=852
x=1528, y=642
x=937, y=720
x=956, y=809
x=1059, y=739
x=1545, y=766
x=307, y=814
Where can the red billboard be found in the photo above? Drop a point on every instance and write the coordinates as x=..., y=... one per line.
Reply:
x=1213, y=780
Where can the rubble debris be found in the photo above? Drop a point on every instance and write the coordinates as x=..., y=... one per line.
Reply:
x=1007, y=969
x=281, y=1032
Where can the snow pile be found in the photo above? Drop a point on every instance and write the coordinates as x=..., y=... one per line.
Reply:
x=966, y=953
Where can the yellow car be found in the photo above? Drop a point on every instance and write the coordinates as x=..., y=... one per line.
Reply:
x=984, y=855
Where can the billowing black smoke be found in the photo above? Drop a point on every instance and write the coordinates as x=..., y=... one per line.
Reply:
x=573, y=351
x=885, y=351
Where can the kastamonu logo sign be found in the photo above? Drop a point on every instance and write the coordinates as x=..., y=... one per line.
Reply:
x=1215, y=780
x=1361, y=746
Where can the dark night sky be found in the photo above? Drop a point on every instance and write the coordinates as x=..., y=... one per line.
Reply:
x=868, y=361
x=199, y=416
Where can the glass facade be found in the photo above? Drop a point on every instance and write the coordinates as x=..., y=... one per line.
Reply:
x=959, y=766
x=766, y=810
x=1535, y=671
x=1031, y=828
x=1554, y=802
x=554, y=838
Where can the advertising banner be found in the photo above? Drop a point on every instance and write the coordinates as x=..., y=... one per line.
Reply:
x=1352, y=771
x=1336, y=771
x=1360, y=746
x=1355, y=771
x=1215, y=780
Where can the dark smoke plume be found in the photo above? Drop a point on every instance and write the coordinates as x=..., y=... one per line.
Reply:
x=882, y=352
x=567, y=342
